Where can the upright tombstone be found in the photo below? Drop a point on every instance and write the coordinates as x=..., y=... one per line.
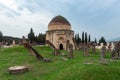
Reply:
x=13, y=43
x=101, y=44
x=70, y=53
x=75, y=43
x=113, y=54
x=103, y=51
x=109, y=47
x=86, y=50
x=93, y=48
x=89, y=45
x=116, y=52
x=0, y=44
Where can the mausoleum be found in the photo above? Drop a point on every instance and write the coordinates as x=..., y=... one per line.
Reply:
x=59, y=32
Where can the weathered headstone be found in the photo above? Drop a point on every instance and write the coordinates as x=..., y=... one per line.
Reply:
x=75, y=43
x=55, y=50
x=35, y=53
x=109, y=47
x=103, y=51
x=93, y=48
x=113, y=54
x=86, y=50
x=116, y=52
x=0, y=44
x=70, y=53
x=13, y=43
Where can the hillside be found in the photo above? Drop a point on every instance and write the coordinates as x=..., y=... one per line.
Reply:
x=58, y=69
x=114, y=40
x=10, y=39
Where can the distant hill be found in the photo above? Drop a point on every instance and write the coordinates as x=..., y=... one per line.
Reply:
x=114, y=40
x=9, y=39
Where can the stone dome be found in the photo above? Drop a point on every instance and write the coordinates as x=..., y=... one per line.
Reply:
x=59, y=23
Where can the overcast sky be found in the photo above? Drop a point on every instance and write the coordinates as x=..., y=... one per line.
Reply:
x=97, y=17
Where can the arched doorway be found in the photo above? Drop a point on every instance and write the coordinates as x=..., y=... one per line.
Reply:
x=61, y=46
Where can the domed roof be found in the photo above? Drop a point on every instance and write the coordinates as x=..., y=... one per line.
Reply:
x=59, y=21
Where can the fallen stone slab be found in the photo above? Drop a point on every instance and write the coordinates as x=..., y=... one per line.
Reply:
x=17, y=69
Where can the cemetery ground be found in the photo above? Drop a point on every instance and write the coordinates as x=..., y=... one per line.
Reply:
x=60, y=68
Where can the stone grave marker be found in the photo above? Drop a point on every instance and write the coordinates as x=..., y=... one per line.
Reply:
x=17, y=69
x=86, y=50
x=70, y=52
x=93, y=48
x=33, y=51
x=103, y=51
x=55, y=50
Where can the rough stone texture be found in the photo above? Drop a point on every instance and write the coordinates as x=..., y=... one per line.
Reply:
x=103, y=51
x=59, y=32
x=75, y=44
x=70, y=53
x=17, y=69
x=93, y=48
x=86, y=50
x=109, y=47
x=116, y=52
x=33, y=51
x=59, y=20
x=113, y=53
x=55, y=50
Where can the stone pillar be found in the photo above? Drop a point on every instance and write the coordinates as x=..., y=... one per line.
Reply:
x=86, y=50
x=13, y=43
x=103, y=51
x=70, y=53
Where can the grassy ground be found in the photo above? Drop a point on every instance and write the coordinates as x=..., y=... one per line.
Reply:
x=58, y=69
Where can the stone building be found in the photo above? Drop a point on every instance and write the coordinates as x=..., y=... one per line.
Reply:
x=59, y=32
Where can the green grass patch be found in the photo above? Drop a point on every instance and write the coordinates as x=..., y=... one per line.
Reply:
x=58, y=69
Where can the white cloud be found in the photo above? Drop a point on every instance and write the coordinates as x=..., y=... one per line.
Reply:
x=11, y=4
x=19, y=25
x=18, y=16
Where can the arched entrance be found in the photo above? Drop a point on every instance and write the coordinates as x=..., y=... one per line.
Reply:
x=61, y=46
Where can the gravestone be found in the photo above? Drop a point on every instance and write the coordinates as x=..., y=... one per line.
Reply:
x=75, y=43
x=93, y=48
x=116, y=52
x=89, y=45
x=103, y=51
x=113, y=54
x=70, y=50
x=13, y=43
x=86, y=50
x=17, y=69
x=55, y=50
x=109, y=47
x=0, y=44
x=35, y=53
